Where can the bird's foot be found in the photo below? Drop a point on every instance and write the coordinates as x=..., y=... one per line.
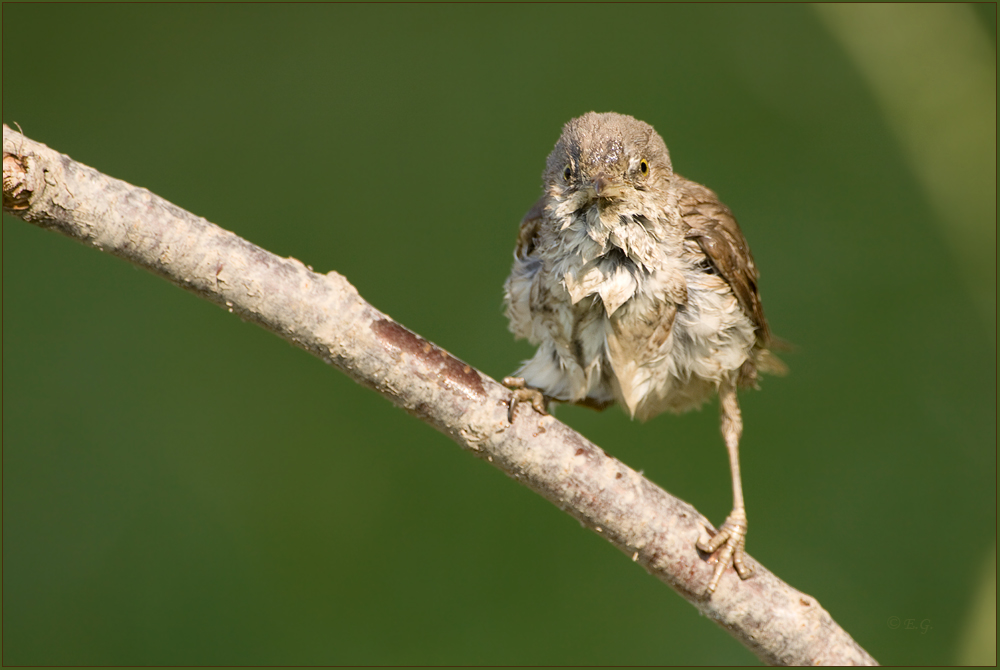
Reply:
x=521, y=393
x=728, y=542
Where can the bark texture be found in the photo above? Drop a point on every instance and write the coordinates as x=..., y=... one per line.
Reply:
x=323, y=314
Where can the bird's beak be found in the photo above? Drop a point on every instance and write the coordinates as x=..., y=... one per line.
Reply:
x=605, y=186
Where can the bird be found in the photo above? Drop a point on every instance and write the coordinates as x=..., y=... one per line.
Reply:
x=638, y=287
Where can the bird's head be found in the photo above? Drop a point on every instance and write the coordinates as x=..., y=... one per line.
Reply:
x=604, y=160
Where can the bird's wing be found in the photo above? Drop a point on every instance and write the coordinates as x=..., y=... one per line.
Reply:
x=521, y=286
x=527, y=234
x=714, y=228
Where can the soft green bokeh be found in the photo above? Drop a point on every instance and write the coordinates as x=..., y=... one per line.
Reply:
x=183, y=488
x=932, y=68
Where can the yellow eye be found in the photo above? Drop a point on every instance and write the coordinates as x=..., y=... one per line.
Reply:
x=567, y=172
x=644, y=167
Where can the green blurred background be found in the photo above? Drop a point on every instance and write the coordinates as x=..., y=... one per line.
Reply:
x=183, y=488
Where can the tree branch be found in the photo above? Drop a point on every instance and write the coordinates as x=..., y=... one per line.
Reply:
x=324, y=315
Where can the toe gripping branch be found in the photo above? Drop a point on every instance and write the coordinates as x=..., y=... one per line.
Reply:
x=731, y=539
x=520, y=393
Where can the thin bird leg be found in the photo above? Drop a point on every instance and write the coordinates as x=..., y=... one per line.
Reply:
x=731, y=536
x=520, y=393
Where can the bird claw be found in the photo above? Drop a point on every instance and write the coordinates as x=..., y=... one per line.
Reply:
x=520, y=393
x=731, y=539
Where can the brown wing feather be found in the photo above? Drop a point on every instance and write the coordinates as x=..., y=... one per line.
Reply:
x=527, y=234
x=714, y=228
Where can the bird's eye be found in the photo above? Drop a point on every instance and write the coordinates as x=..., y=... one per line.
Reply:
x=567, y=172
x=644, y=167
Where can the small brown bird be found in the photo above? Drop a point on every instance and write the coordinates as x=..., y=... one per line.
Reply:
x=638, y=286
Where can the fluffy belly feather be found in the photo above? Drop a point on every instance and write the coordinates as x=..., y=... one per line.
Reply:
x=640, y=347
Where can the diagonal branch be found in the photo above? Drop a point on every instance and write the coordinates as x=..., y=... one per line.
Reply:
x=324, y=315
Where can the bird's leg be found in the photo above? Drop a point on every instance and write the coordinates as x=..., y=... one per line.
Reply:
x=521, y=393
x=731, y=536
